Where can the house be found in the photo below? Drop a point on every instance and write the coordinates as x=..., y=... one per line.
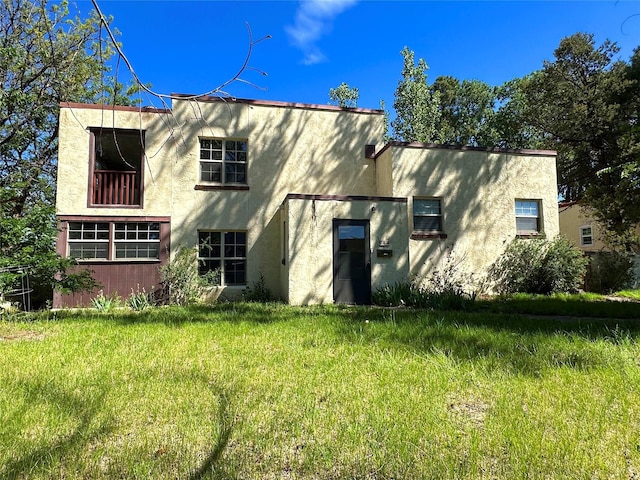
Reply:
x=305, y=196
x=581, y=227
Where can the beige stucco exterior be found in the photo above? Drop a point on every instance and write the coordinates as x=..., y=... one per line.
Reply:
x=307, y=257
x=306, y=167
x=477, y=189
x=573, y=217
x=74, y=159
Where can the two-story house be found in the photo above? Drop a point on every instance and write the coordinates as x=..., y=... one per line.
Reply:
x=305, y=195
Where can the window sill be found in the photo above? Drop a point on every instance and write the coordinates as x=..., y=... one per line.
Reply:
x=117, y=260
x=530, y=235
x=113, y=205
x=208, y=188
x=428, y=236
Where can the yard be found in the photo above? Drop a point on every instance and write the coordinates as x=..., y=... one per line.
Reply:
x=251, y=391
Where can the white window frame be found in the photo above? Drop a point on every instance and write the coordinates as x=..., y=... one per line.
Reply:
x=523, y=211
x=230, y=154
x=583, y=236
x=229, y=253
x=432, y=213
x=83, y=237
x=139, y=237
x=112, y=238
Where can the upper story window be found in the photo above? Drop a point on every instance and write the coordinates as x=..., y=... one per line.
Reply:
x=116, y=167
x=223, y=161
x=586, y=236
x=528, y=217
x=114, y=240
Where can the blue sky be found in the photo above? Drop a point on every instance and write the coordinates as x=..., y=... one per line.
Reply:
x=194, y=46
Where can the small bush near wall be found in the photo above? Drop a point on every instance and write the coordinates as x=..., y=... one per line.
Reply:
x=447, y=287
x=182, y=284
x=609, y=272
x=539, y=266
x=258, y=291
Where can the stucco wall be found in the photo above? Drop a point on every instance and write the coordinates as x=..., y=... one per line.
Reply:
x=290, y=149
x=574, y=216
x=310, y=244
x=477, y=190
x=74, y=155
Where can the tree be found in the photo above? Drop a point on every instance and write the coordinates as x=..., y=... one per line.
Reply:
x=586, y=103
x=344, y=96
x=416, y=106
x=448, y=111
x=46, y=58
x=466, y=112
x=510, y=123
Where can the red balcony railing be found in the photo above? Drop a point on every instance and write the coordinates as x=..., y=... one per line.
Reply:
x=116, y=187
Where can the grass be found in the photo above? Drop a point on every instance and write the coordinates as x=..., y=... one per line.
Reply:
x=568, y=305
x=242, y=391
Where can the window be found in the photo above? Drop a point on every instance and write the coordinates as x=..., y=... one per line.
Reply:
x=116, y=168
x=427, y=215
x=137, y=240
x=528, y=217
x=223, y=161
x=223, y=255
x=114, y=240
x=89, y=240
x=586, y=236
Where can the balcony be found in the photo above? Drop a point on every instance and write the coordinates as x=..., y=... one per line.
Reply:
x=116, y=187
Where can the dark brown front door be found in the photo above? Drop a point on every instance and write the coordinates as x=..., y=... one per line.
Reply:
x=351, y=262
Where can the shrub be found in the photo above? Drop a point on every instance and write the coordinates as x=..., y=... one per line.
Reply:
x=103, y=303
x=609, y=272
x=258, y=291
x=138, y=300
x=448, y=287
x=406, y=293
x=181, y=281
x=539, y=266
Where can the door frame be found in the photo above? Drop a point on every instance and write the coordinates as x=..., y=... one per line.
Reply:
x=362, y=294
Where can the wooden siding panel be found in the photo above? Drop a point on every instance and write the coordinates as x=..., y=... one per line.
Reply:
x=116, y=278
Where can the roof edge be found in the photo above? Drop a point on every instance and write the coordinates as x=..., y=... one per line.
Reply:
x=343, y=198
x=437, y=146
x=117, y=108
x=275, y=103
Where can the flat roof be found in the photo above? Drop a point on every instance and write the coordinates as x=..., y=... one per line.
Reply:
x=436, y=146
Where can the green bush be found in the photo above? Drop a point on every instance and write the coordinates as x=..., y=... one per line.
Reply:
x=181, y=282
x=445, y=288
x=258, y=291
x=539, y=266
x=406, y=293
x=609, y=272
x=138, y=300
x=103, y=303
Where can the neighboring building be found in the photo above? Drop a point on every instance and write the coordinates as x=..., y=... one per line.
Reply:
x=304, y=195
x=580, y=226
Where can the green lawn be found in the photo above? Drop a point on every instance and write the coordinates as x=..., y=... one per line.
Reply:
x=242, y=391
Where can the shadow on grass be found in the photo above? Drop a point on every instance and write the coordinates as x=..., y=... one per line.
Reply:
x=52, y=451
x=511, y=343
x=501, y=340
x=213, y=465
x=562, y=306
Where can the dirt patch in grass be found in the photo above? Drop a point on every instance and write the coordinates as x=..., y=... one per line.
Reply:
x=469, y=410
x=16, y=336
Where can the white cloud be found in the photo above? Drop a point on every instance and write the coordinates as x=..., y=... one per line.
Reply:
x=313, y=20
